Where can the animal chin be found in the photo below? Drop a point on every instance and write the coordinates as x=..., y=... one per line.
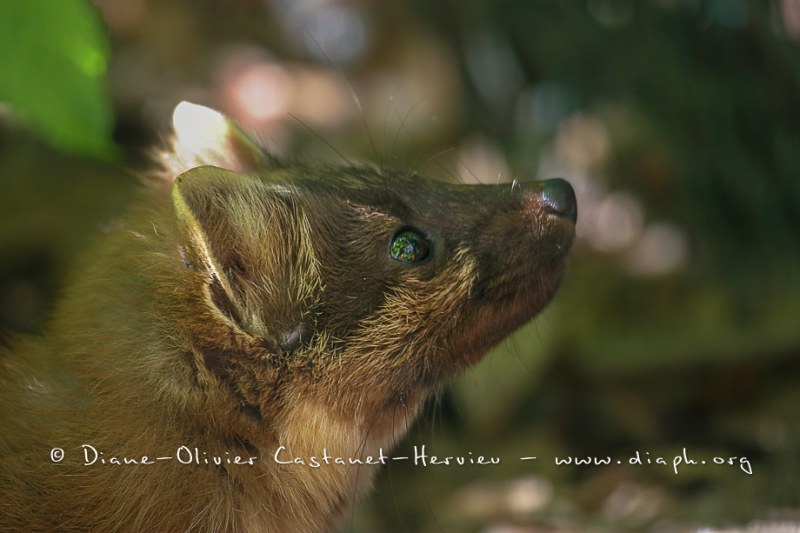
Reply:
x=493, y=321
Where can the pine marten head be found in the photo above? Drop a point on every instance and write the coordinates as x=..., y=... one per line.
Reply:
x=353, y=291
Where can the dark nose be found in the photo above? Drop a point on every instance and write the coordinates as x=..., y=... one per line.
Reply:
x=559, y=198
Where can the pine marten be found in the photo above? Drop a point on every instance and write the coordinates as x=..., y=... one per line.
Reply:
x=253, y=312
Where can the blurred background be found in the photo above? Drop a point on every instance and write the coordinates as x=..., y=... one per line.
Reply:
x=677, y=122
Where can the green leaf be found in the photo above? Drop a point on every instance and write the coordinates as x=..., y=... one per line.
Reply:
x=53, y=57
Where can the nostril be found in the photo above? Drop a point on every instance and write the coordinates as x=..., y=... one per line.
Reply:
x=559, y=197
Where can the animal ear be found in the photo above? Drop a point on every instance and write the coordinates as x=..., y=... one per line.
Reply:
x=201, y=199
x=203, y=136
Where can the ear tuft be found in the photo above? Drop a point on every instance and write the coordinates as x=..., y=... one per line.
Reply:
x=196, y=125
x=204, y=136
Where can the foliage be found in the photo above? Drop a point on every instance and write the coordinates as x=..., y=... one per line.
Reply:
x=54, y=57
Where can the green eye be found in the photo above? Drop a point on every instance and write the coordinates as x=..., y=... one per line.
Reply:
x=409, y=246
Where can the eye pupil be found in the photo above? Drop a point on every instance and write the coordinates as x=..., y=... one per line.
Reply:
x=409, y=246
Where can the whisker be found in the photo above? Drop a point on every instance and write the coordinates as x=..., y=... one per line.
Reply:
x=324, y=140
x=355, y=97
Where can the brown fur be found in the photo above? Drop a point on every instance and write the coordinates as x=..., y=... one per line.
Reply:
x=256, y=306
